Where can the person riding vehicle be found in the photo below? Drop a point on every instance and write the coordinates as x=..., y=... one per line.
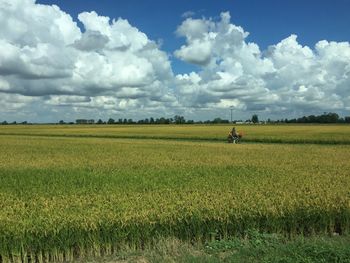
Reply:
x=233, y=136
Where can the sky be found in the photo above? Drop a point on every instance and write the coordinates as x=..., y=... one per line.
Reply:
x=64, y=60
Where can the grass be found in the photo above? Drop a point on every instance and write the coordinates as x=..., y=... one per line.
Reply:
x=63, y=198
x=254, y=247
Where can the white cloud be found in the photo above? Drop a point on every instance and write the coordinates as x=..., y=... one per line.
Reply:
x=43, y=52
x=287, y=77
x=48, y=65
x=91, y=41
x=188, y=14
x=13, y=102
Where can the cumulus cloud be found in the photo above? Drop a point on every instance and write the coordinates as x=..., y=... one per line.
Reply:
x=44, y=53
x=51, y=69
x=13, y=102
x=91, y=41
x=285, y=77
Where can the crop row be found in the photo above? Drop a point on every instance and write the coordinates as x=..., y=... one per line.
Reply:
x=317, y=134
x=62, y=198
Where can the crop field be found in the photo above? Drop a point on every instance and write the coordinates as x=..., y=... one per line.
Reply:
x=81, y=191
x=324, y=134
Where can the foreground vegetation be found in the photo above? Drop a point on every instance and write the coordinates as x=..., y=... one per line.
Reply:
x=254, y=247
x=62, y=198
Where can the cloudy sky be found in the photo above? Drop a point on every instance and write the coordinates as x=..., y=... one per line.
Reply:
x=137, y=59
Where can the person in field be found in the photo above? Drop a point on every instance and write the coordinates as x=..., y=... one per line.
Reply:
x=233, y=136
x=234, y=133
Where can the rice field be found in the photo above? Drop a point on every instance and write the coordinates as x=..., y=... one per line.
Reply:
x=325, y=134
x=64, y=197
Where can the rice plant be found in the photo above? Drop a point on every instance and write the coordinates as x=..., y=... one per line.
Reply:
x=316, y=134
x=64, y=198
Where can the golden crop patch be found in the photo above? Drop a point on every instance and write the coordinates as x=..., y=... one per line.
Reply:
x=66, y=197
x=330, y=134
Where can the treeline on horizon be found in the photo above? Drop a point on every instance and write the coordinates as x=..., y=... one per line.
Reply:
x=177, y=119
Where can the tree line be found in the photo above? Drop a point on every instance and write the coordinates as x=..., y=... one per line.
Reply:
x=177, y=119
x=329, y=117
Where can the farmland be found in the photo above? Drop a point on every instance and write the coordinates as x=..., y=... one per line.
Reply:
x=324, y=134
x=75, y=191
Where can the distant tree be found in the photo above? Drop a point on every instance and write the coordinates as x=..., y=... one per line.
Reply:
x=312, y=119
x=99, y=121
x=130, y=121
x=61, y=122
x=162, y=120
x=347, y=119
x=151, y=120
x=332, y=117
x=125, y=121
x=217, y=120
x=4, y=123
x=324, y=118
x=179, y=119
x=255, y=118
x=110, y=121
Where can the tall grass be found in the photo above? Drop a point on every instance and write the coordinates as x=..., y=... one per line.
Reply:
x=62, y=198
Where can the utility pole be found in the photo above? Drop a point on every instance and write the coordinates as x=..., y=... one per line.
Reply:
x=231, y=109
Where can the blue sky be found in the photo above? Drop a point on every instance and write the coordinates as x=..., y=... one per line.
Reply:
x=73, y=62
x=267, y=21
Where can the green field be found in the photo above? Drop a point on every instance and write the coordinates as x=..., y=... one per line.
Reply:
x=82, y=191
